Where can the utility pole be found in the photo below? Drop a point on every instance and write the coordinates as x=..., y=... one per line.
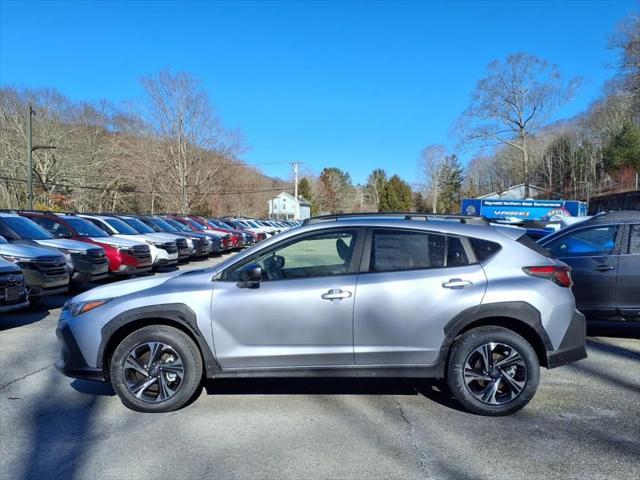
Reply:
x=295, y=179
x=30, y=163
x=30, y=149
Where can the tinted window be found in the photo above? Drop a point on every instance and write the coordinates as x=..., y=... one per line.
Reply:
x=162, y=225
x=180, y=226
x=484, y=248
x=139, y=226
x=55, y=228
x=318, y=255
x=25, y=228
x=402, y=250
x=585, y=242
x=85, y=228
x=120, y=227
x=456, y=256
x=634, y=240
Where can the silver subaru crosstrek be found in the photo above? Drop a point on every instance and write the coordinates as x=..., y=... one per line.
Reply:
x=453, y=298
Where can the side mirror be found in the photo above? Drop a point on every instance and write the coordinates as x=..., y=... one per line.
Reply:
x=250, y=276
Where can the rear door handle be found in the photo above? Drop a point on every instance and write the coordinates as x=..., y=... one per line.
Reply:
x=335, y=294
x=604, y=268
x=457, y=283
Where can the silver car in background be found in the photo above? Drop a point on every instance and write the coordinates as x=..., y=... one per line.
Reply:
x=480, y=306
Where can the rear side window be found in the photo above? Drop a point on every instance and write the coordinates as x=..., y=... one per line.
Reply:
x=484, y=249
x=634, y=240
x=528, y=242
x=403, y=250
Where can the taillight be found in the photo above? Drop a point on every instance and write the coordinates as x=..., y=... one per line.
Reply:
x=558, y=275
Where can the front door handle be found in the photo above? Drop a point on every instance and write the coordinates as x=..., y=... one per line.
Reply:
x=604, y=268
x=335, y=294
x=457, y=283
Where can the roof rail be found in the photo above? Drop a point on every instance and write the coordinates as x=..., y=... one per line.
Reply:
x=405, y=215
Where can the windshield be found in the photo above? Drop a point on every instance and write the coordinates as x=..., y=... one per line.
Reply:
x=120, y=227
x=162, y=225
x=84, y=228
x=138, y=225
x=195, y=225
x=26, y=229
x=252, y=223
x=179, y=226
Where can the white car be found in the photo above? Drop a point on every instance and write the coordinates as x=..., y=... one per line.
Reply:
x=164, y=251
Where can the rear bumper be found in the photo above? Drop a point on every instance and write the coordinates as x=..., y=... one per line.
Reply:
x=573, y=345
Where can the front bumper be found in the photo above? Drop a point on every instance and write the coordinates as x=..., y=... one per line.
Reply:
x=72, y=363
x=573, y=345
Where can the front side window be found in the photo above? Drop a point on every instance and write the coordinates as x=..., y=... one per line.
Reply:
x=55, y=228
x=325, y=254
x=594, y=241
x=404, y=250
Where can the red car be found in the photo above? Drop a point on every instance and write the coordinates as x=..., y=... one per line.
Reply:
x=125, y=257
x=226, y=239
x=237, y=241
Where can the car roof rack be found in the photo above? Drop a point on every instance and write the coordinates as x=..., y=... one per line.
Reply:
x=404, y=215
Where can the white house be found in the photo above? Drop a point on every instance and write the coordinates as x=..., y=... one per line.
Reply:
x=286, y=206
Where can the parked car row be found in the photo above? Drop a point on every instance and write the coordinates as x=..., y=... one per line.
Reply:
x=43, y=252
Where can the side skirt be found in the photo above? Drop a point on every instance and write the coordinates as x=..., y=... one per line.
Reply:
x=420, y=371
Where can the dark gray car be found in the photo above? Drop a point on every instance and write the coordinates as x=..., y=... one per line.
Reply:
x=604, y=255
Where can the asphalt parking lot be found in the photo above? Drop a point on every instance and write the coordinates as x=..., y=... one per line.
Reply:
x=583, y=423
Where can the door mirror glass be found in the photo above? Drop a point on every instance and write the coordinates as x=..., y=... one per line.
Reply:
x=250, y=276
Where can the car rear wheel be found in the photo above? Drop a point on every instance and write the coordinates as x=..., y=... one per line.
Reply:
x=156, y=369
x=492, y=371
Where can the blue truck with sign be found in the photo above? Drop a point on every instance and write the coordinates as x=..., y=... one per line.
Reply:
x=541, y=210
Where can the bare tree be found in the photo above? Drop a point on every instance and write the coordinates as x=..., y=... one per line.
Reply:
x=431, y=161
x=512, y=102
x=194, y=143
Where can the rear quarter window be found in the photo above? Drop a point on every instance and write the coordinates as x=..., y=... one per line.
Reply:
x=484, y=249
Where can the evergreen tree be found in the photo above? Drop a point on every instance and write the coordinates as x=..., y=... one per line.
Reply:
x=450, y=184
x=396, y=196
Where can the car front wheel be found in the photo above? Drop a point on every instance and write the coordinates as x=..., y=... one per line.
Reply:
x=493, y=371
x=156, y=369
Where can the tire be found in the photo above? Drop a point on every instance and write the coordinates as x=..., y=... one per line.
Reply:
x=170, y=382
x=509, y=382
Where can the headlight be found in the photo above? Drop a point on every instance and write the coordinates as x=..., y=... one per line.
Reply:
x=84, y=307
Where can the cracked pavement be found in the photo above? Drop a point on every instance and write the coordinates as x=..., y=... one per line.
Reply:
x=584, y=422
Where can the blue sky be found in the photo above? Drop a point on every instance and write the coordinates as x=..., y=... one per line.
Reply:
x=357, y=85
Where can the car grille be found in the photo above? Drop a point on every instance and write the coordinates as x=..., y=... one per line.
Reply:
x=169, y=247
x=183, y=246
x=98, y=259
x=142, y=253
x=52, y=266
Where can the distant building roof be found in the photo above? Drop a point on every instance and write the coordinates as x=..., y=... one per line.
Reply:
x=515, y=192
x=300, y=200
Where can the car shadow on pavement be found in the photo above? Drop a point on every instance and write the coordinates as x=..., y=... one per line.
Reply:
x=34, y=313
x=429, y=388
x=603, y=346
x=619, y=330
x=93, y=388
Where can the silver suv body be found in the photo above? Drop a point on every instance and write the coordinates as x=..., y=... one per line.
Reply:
x=480, y=306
